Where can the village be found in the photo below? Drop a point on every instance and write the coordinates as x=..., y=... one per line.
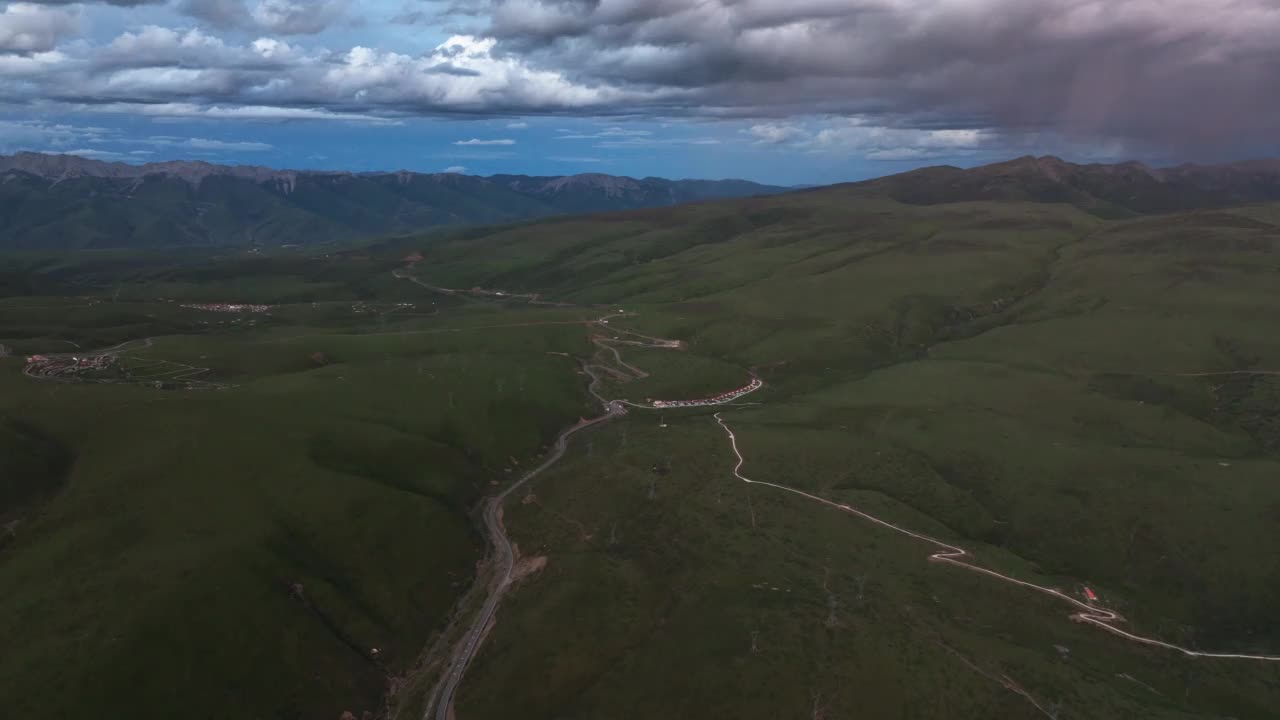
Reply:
x=62, y=367
x=229, y=307
x=361, y=307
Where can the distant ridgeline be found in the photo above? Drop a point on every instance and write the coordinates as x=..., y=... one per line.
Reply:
x=1110, y=191
x=58, y=202
x=70, y=202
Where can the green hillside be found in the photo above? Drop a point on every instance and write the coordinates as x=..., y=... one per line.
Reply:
x=1078, y=401
x=1024, y=379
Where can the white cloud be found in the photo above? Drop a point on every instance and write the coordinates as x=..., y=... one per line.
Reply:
x=208, y=144
x=264, y=113
x=455, y=169
x=907, y=153
x=96, y=154
x=284, y=17
x=290, y=17
x=154, y=46
x=1178, y=72
x=30, y=66
x=29, y=28
x=1099, y=70
x=478, y=141
x=462, y=74
x=859, y=136
x=163, y=72
x=573, y=159
x=16, y=134
x=613, y=132
x=637, y=141
x=773, y=133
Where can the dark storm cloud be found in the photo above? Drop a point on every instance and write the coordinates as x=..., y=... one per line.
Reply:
x=958, y=74
x=117, y=3
x=1180, y=72
x=221, y=14
x=283, y=17
x=26, y=29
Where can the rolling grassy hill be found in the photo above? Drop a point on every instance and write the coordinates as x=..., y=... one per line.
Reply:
x=1075, y=399
x=1025, y=379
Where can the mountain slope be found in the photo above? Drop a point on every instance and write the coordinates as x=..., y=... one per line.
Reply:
x=69, y=202
x=1120, y=190
x=1024, y=380
x=1070, y=399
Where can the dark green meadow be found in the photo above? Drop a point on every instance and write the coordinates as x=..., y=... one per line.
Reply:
x=1025, y=380
x=243, y=552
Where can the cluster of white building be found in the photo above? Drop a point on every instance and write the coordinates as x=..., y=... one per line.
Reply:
x=229, y=307
x=62, y=366
x=362, y=308
x=720, y=399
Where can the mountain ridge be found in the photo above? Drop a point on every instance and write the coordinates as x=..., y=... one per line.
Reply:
x=71, y=202
x=55, y=166
x=1126, y=189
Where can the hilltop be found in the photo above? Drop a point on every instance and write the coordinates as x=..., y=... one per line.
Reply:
x=1114, y=191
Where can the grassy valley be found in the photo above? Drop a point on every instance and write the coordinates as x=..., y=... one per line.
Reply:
x=1078, y=398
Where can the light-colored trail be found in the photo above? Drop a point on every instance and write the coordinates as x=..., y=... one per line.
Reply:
x=1228, y=372
x=440, y=702
x=1003, y=680
x=1084, y=612
x=531, y=298
x=443, y=695
x=439, y=705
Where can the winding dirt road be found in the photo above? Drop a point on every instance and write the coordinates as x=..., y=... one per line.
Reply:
x=951, y=554
x=440, y=703
x=442, y=697
x=531, y=298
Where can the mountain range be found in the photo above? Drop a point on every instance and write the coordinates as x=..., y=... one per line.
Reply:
x=71, y=202
x=64, y=202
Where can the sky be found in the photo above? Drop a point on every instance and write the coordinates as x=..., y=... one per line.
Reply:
x=778, y=91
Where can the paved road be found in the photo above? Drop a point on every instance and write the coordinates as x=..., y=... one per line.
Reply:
x=531, y=298
x=440, y=703
x=433, y=288
x=1085, y=612
x=505, y=564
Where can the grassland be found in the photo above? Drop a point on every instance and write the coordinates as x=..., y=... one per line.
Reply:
x=281, y=548
x=1026, y=380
